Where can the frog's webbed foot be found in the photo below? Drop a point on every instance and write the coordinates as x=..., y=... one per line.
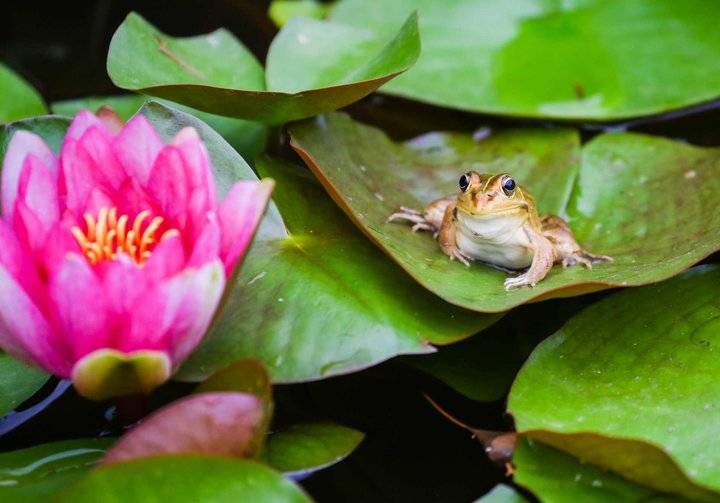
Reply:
x=586, y=259
x=415, y=217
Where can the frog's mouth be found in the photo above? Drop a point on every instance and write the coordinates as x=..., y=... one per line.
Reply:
x=494, y=213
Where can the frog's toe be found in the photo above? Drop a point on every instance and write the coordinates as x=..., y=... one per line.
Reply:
x=423, y=226
x=458, y=255
x=518, y=282
x=578, y=259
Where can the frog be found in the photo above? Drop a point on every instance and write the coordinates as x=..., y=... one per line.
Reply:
x=494, y=220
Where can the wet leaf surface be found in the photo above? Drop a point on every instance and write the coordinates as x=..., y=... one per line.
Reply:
x=312, y=67
x=184, y=479
x=19, y=99
x=38, y=472
x=630, y=384
x=646, y=201
x=556, y=477
x=302, y=449
x=585, y=59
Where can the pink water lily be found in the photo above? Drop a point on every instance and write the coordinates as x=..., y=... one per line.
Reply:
x=114, y=256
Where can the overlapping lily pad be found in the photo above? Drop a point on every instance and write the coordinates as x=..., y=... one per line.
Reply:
x=19, y=99
x=247, y=137
x=630, y=384
x=556, y=477
x=648, y=202
x=583, y=59
x=300, y=450
x=312, y=67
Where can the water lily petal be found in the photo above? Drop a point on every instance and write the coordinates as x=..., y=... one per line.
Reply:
x=197, y=163
x=37, y=188
x=82, y=121
x=179, y=311
x=168, y=186
x=95, y=148
x=207, y=244
x=137, y=146
x=167, y=259
x=239, y=215
x=17, y=263
x=80, y=306
x=22, y=144
x=25, y=332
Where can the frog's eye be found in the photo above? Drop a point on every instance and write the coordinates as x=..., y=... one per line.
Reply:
x=464, y=182
x=508, y=186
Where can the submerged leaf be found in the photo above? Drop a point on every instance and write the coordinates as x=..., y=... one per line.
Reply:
x=647, y=202
x=312, y=67
x=588, y=59
x=630, y=384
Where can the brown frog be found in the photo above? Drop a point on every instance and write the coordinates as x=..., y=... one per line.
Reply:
x=495, y=221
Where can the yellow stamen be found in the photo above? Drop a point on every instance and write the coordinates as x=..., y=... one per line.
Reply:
x=108, y=236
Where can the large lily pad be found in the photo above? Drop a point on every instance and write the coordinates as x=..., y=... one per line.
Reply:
x=648, y=202
x=184, y=479
x=556, y=477
x=630, y=384
x=582, y=59
x=37, y=473
x=312, y=67
x=247, y=137
x=19, y=99
x=315, y=298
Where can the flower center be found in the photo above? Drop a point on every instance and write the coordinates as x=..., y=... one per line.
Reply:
x=109, y=235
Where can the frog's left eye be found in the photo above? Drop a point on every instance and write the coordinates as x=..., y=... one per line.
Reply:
x=508, y=186
x=464, y=182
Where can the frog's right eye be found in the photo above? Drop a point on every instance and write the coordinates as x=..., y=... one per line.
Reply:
x=464, y=182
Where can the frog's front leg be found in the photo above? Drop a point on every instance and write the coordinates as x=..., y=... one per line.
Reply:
x=542, y=262
x=430, y=219
x=567, y=250
x=446, y=236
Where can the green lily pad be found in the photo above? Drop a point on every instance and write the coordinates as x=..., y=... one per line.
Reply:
x=312, y=67
x=36, y=473
x=556, y=477
x=19, y=99
x=316, y=299
x=18, y=382
x=588, y=59
x=184, y=479
x=303, y=449
x=648, y=202
x=247, y=137
x=630, y=384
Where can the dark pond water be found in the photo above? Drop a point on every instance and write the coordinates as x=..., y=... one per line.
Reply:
x=410, y=453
